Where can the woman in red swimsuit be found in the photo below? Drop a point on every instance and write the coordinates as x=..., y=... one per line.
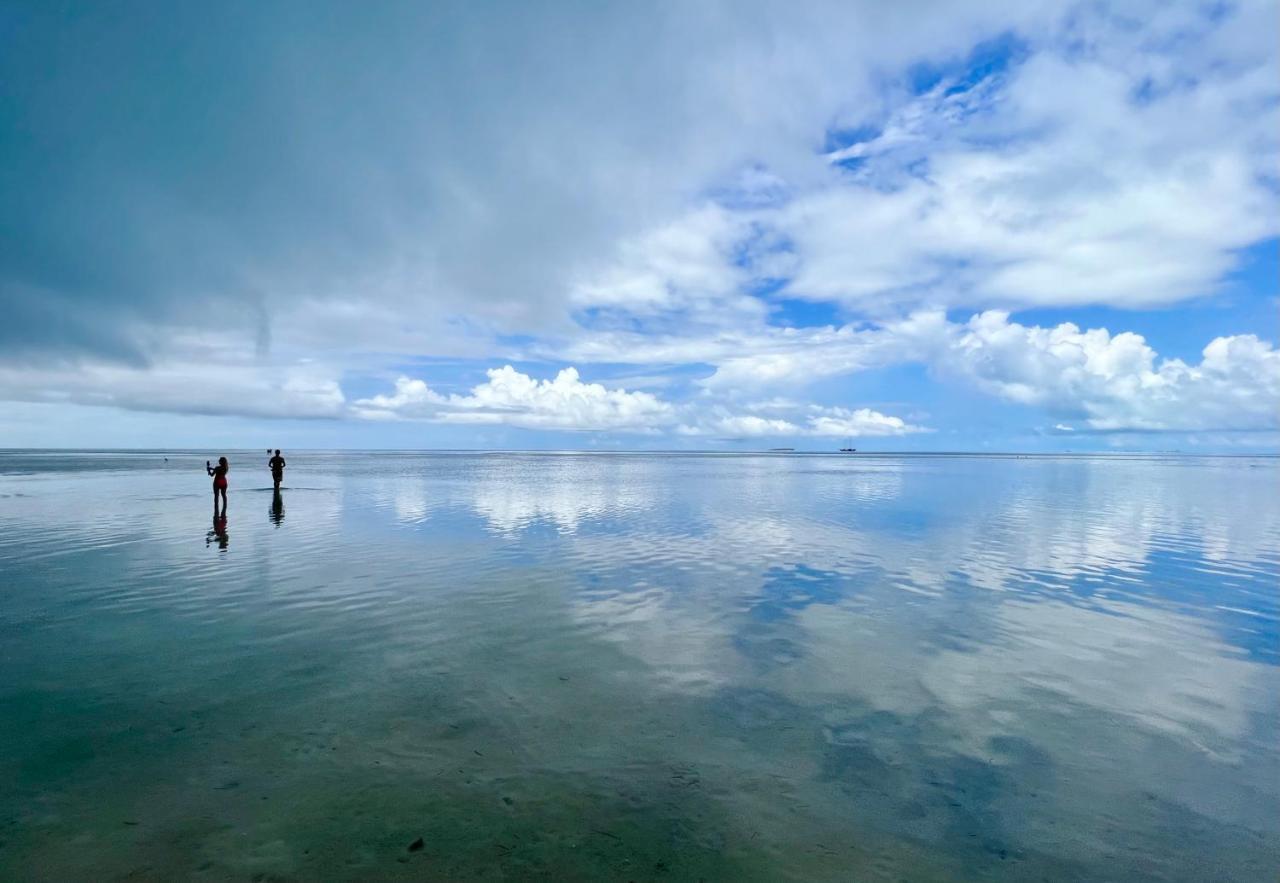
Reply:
x=219, y=474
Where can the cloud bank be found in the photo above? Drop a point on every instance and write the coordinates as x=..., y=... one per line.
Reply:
x=515, y=399
x=735, y=201
x=567, y=403
x=1114, y=382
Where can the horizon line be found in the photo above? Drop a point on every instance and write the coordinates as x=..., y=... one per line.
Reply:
x=667, y=451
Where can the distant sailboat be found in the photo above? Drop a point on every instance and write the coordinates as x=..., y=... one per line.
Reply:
x=850, y=449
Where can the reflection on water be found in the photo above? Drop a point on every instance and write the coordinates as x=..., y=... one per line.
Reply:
x=639, y=667
x=563, y=492
x=218, y=534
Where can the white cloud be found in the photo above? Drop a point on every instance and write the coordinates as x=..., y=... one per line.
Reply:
x=741, y=426
x=1129, y=174
x=1111, y=382
x=567, y=403
x=682, y=264
x=820, y=422
x=1122, y=158
x=516, y=399
x=1114, y=381
x=1085, y=379
x=859, y=422
x=411, y=398
x=1114, y=163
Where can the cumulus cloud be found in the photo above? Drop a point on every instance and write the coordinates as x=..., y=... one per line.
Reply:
x=1111, y=382
x=1085, y=380
x=515, y=399
x=411, y=398
x=1114, y=382
x=819, y=422
x=858, y=422
x=567, y=403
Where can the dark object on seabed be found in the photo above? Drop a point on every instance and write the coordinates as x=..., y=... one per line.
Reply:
x=416, y=845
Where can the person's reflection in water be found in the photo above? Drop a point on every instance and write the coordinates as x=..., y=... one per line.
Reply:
x=219, y=532
x=277, y=508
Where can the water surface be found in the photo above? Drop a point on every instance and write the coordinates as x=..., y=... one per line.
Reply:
x=639, y=667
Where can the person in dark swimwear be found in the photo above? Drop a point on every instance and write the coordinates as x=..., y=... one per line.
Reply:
x=277, y=469
x=219, y=474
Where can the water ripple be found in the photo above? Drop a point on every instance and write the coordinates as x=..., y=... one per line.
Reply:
x=953, y=666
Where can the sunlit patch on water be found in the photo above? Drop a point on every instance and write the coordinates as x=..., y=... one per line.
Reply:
x=639, y=667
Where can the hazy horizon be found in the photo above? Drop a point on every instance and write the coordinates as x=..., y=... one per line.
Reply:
x=744, y=451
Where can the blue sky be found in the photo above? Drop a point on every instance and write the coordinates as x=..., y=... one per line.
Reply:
x=1045, y=226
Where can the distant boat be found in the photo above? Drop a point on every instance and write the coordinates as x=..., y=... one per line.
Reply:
x=848, y=450
x=780, y=450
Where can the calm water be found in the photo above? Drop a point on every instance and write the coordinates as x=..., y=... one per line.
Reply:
x=639, y=667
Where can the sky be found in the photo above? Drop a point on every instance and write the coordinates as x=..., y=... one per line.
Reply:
x=998, y=226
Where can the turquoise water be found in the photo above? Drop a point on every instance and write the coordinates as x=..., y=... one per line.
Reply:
x=627, y=667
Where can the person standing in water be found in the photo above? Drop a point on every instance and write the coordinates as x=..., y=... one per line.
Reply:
x=277, y=465
x=219, y=474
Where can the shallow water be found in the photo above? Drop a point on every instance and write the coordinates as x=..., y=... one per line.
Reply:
x=639, y=667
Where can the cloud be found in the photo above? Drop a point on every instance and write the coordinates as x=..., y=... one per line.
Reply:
x=567, y=403
x=1085, y=380
x=1053, y=186
x=388, y=157
x=686, y=264
x=1114, y=382
x=859, y=422
x=386, y=195
x=1129, y=173
x=742, y=426
x=1100, y=162
x=509, y=397
x=650, y=188
x=819, y=423
x=411, y=398
x=192, y=378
